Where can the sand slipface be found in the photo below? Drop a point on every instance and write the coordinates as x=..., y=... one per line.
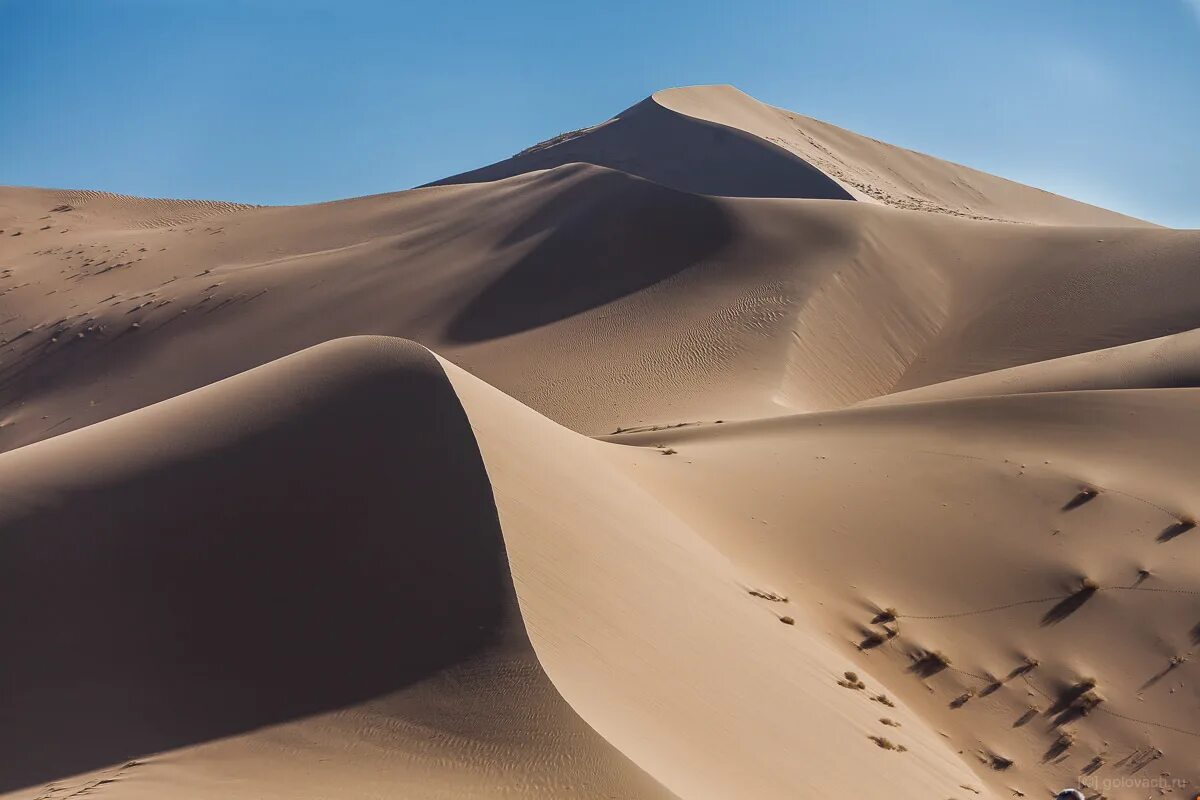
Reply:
x=757, y=458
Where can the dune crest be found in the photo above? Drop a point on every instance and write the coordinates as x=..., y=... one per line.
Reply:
x=306, y=558
x=875, y=171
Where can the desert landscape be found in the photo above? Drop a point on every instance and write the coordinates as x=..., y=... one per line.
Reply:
x=710, y=451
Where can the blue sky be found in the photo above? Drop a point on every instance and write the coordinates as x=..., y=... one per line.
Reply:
x=290, y=101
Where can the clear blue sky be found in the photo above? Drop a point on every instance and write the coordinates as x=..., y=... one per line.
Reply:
x=290, y=101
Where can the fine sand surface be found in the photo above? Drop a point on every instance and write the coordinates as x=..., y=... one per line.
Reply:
x=708, y=452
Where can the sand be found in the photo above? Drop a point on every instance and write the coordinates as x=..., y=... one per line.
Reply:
x=708, y=452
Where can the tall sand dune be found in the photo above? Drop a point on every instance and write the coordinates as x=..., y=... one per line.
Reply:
x=757, y=459
x=290, y=584
x=568, y=281
x=717, y=140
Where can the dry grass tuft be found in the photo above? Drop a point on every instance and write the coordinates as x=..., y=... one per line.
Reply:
x=930, y=663
x=886, y=615
x=962, y=699
x=999, y=762
x=887, y=744
x=851, y=680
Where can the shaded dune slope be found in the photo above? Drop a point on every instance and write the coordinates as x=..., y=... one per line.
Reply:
x=570, y=281
x=315, y=534
x=694, y=155
x=594, y=221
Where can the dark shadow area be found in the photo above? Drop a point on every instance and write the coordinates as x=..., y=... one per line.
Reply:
x=674, y=150
x=1092, y=766
x=991, y=688
x=929, y=664
x=1059, y=748
x=1171, y=666
x=1194, y=633
x=884, y=615
x=1085, y=495
x=999, y=762
x=1068, y=695
x=1024, y=668
x=602, y=236
x=871, y=639
x=239, y=560
x=1139, y=759
x=1025, y=718
x=1069, y=715
x=961, y=700
x=1074, y=702
x=1176, y=529
x=1068, y=606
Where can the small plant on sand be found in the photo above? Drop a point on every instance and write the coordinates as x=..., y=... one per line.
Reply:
x=851, y=681
x=887, y=744
x=930, y=663
x=886, y=615
x=870, y=640
x=999, y=762
x=787, y=620
x=1088, y=701
x=884, y=700
x=669, y=451
x=1085, y=495
x=962, y=699
x=1060, y=746
x=1030, y=712
x=891, y=723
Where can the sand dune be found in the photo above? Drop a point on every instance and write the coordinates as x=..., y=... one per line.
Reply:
x=966, y=519
x=719, y=141
x=570, y=280
x=727, y=403
x=1162, y=363
x=875, y=171
x=318, y=535
x=653, y=141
